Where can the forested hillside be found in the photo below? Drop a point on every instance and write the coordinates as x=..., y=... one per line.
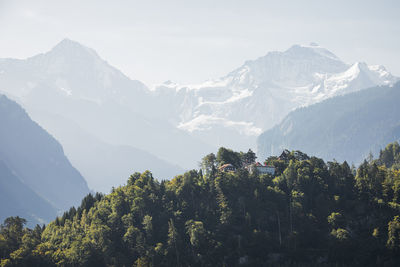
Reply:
x=310, y=213
x=347, y=127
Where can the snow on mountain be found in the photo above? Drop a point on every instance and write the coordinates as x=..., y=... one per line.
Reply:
x=261, y=92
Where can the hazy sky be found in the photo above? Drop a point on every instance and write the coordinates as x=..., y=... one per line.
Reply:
x=191, y=41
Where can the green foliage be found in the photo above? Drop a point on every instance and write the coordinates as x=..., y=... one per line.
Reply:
x=311, y=213
x=390, y=156
x=249, y=157
x=208, y=164
x=393, y=241
x=225, y=156
x=340, y=234
x=336, y=219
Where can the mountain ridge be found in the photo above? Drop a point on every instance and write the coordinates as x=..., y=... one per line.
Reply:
x=338, y=127
x=35, y=160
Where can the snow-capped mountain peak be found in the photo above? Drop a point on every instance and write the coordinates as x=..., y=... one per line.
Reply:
x=72, y=57
x=311, y=50
x=261, y=92
x=297, y=65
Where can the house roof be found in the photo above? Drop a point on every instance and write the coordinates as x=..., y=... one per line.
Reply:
x=225, y=166
x=258, y=164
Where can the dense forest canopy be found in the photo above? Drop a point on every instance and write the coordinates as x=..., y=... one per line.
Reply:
x=310, y=213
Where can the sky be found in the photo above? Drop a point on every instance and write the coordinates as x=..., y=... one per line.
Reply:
x=192, y=41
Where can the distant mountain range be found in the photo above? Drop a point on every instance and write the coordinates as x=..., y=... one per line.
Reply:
x=37, y=180
x=343, y=128
x=72, y=85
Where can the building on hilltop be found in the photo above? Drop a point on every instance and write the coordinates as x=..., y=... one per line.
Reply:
x=227, y=168
x=261, y=169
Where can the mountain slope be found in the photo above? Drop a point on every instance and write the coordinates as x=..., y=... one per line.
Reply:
x=342, y=128
x=37, y=158
x=103, y=165
x=17, y=199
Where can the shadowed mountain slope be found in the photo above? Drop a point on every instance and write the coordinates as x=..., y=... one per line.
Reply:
x=343, y=128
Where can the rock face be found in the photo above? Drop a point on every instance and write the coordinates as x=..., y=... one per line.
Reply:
x=346, y=127
x=31, y=155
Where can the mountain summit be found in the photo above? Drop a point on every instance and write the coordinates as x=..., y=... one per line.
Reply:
x=77, y=71
x=70, y=47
